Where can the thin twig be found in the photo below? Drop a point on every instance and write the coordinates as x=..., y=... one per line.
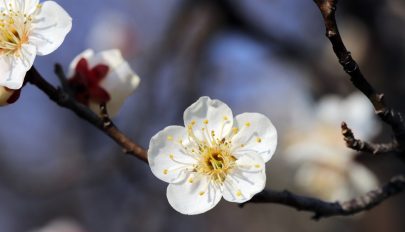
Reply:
x=387, y=114
x=323, y=209
x=62, y=78
x=359, y=145
x=63, y=99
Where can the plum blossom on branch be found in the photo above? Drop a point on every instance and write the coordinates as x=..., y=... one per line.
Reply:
x=213, y=156
x=320, y=208
x=199, y=179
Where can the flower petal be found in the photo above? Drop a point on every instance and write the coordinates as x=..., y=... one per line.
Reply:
x=112, y=58
x=206, y=115
x=361, y=179
x=256, y=133
x=30, y=6
x=99, y=95
x=26, y=6
x=87, y=54
x=194, y=195
x=50, y=27
x=167, y=158
x=121, y=80
x=320, y=181
x=247, y=179
x=13, y=69
x=120, y=84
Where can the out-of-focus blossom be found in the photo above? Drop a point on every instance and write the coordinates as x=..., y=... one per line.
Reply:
x=214, y=156
x=27, y=29
x=120, y=33
x=61, y=225
x=100, y=78
x=325, y=167
x=8, y=96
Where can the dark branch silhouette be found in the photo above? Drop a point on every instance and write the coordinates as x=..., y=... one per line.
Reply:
x=322, y=209
x=386, y=114
x=359, y=145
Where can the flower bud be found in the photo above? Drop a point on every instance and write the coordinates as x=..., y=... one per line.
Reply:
x=102, y=78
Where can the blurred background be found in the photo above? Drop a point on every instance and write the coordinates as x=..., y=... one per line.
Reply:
x=59, y=174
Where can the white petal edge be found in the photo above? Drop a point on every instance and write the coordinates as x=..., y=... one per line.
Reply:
x=218, y=116
x=86, y=54
x=194, y=195
x=50, y=27
x=120, y=83
x=112, y=58
x=13, y=69
x=26, y=6
x=247, y=179
x=256, y=133
x=166, y=157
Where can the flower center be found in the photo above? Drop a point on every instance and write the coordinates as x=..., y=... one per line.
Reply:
x=214, y=154
x=14, y=31
x=216, y=162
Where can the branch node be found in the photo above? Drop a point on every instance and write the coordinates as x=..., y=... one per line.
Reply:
x=107, y=122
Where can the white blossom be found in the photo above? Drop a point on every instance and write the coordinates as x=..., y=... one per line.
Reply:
x=325, y=167
x=213, y=156
x=61, y=225
x=103, y=77
x=27, y=29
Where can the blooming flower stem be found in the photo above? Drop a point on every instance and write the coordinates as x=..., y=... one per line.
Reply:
x=320, y=208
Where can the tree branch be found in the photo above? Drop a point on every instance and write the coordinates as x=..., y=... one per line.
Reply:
x=63, y=99
x=320, y=208
x=387, y=114
x=323, y=209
